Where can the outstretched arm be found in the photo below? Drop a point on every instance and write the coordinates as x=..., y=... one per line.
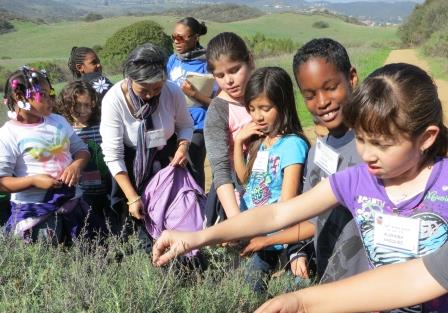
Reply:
x=387, y=287
x=260, y=220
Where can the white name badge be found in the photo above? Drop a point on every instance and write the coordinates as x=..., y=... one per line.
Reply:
x=396, y=232
x=261, y=162
x=155, y=138
x=326, y=158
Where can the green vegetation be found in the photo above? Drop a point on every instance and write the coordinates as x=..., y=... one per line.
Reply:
x=91, y=17
x=218, y=13
x=55, y=73
x=120, y=278
x=262, y=47
x=6, y=27
x=126, y=39
x=52, y=42
x=321, y=24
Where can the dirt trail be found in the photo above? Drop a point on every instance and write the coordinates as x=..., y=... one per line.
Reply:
x=410, y=56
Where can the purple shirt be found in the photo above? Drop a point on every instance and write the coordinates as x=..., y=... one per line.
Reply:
x=364, y=195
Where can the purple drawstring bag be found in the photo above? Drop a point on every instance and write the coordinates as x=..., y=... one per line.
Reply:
x=173, y=200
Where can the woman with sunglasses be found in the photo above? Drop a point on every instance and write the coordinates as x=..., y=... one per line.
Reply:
x=189, y=56
x=146, y=127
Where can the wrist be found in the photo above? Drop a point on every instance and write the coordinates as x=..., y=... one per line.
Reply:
x=133, y=200
x=183, y=143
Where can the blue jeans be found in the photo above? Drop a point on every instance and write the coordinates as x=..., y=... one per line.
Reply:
x=261, y=266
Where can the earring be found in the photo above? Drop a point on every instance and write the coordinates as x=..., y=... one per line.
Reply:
x=24, y=105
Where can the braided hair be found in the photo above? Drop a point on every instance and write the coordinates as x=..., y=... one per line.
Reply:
x=77, y=57
x=25, y=83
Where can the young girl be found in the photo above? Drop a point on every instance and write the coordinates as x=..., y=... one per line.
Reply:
x=230, y=62
x=78, y=103
x=41, y=160
x=398, y=196
x=277, y=152
x=85, y=65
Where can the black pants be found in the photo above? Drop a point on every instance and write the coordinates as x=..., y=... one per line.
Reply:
x=197, y=157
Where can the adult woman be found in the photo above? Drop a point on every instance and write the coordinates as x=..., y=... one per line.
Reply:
x=143, y=113
x=189, y=56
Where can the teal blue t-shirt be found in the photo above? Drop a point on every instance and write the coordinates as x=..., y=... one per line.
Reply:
x=266, y=187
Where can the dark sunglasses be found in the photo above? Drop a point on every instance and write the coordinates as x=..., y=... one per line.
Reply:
x=180, y=38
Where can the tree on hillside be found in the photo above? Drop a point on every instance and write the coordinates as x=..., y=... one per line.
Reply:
x=126, y=39
x=425, y=20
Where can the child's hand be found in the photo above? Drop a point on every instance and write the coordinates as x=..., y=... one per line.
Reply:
x=71, y=175
x=248, y=131
x=299, y=267
x=44, y=181
x=172, y=244
x=286, y=303
x=255, y=244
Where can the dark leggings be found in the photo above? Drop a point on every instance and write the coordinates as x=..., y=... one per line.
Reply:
x=197, y=157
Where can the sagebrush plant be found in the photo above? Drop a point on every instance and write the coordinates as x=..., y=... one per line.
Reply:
x=117, y=276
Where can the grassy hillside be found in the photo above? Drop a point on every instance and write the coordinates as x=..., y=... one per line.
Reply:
x=368, y=46
x=54, y=41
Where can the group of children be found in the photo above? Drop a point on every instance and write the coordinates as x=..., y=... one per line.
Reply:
x=386, y=207
x=52, y=164
x=371, y=193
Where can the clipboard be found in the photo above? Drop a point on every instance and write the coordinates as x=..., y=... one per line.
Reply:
x=204, y=83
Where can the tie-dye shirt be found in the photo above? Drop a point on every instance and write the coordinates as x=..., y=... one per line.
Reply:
x=365, y=195
x=42, y=148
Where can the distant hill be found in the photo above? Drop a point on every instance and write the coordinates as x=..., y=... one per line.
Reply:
x=377, y=11
x=217, y=13
x=381, y=11
x=42, y=9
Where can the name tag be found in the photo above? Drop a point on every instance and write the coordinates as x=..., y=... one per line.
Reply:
x=155, y=138
x=91, y=178
x=261, y=162
x=395, y=232
x=326, y=158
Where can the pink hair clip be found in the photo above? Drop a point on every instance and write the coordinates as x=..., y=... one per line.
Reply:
x=14, y=83
x=37, y=96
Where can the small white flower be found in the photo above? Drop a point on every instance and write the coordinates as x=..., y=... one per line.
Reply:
x=100, y=85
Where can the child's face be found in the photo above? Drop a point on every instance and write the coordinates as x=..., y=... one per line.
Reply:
x=83, y=110
x=40, y=105
x=264, y=113
x=232, y=76
x=325, y=90
x=392, y=159
x=91, y=64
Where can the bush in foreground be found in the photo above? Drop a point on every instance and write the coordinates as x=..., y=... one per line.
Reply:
x=120, y=278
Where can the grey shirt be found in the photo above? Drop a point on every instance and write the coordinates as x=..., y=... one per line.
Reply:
x=436, y=264
x=218, y=133
x=339, y=250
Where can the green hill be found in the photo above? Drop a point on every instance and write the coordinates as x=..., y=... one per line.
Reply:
x=54, y=41
x=368, y=46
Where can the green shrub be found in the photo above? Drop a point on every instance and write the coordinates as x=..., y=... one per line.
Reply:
x=91, y=17
x=437, y=45
x=425, y=20
x=265, y=47
x=321, y=24
x=6, y=26
x=55, y=73
x=121, y=43
x=119, y=277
